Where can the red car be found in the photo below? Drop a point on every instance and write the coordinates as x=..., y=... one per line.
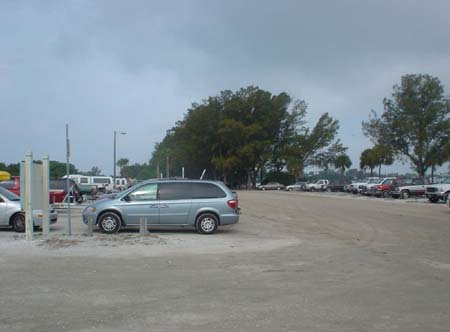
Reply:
x=12, y=185
x=57, y=191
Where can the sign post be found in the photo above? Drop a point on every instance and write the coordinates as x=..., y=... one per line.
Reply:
x=69, y=189
x=27, y=205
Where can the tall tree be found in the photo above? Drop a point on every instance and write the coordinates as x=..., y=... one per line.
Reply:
x=383, y=156
x=121, y=163
x=415, y=122
x=342, y=162
x=317, y=146
x=368, y=160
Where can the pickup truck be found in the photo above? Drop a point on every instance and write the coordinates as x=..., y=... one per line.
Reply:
x=336, y=187
x=356, y=187
x=438, y=191
x=319, y=185
x=383, y=188
x=409, y=187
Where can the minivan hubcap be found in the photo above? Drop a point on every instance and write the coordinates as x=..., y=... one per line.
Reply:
x=109, y=224
x=207, y=224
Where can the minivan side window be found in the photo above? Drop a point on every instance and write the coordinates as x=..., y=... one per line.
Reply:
x=145, y=193
x=83, y=180
x=207, y=190
x=175, y=190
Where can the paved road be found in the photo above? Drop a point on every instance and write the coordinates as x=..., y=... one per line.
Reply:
x=296, y=262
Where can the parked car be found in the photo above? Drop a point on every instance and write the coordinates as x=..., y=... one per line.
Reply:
x=319, y=185
x=13, y=185
x=357, y=187
x=298, y=186
x=121, y=183
x=92, y=184
x=205, y=205
x=438, y=191
x=383, y=188
x=409, y=187
x=58, y=191
x=271, y=186
x=336, y=187
x=12, y=215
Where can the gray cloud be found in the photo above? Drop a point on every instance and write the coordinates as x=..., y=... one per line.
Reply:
x=137, y=66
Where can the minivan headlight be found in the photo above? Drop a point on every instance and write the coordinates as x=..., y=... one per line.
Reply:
x=90, y=209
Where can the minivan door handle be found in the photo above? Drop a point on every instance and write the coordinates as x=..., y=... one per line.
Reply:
x=154, y=206
x=164, y=206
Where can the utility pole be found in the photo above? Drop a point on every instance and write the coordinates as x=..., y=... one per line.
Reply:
x=114, y=176
x=115, y=154
x=69, y=215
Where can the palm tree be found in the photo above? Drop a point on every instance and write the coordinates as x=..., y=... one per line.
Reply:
x=368, y=160
x=342, y=162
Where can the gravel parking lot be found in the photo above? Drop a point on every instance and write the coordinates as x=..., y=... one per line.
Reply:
x=295, y=262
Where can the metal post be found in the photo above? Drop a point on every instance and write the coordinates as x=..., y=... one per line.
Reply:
x=45, y=190
x=143, y=226
x=114, y=177
x=182, y=172
x=27, y=199
x=90, y=226
x=69, y=214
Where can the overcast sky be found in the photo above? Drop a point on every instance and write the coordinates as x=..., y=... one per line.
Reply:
x=136, y=66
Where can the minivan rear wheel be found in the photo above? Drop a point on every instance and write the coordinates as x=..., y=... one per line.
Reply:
x=109, y=223
x=207, y=223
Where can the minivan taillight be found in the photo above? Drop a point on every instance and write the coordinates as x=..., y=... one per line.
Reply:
x=233, y=203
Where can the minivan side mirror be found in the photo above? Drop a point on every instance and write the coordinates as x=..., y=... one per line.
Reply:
x=127, y=198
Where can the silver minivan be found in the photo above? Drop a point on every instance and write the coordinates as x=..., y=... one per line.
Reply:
x=204, y=205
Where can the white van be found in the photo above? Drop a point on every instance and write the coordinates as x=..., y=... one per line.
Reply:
x=100, y=182
x=121, y=183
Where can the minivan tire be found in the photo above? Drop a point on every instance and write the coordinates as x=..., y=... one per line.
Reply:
x=18, y=222
x=207, y=223
x=109, y=223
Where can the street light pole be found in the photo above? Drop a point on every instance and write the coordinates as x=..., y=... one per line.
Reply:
x=115, y=154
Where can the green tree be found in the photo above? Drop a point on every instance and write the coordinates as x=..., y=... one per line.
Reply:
x=317, y=146
x=415, y=123
x=383, y=156
x=58, y=169
x=122, y=163
x=95, y=171
x=342, y=162
x=368, y=160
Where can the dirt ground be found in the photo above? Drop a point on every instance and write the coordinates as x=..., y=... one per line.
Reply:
x=295, y=262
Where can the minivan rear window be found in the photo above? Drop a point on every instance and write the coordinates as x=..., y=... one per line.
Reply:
x=207, y=190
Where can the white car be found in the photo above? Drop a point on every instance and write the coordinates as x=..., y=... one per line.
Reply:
x=12, y=215
x=438, y=191
x=298, y=186
x=319, y=185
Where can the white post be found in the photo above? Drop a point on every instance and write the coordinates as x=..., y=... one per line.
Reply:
x=182, y=172
x=45, y=193
x=27, y=199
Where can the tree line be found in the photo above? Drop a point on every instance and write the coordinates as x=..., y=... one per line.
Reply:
x=238, y=136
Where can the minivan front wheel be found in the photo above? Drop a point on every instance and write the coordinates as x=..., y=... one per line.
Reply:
x=207, y=223
x=109, y=223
